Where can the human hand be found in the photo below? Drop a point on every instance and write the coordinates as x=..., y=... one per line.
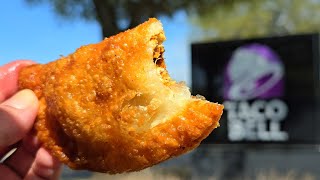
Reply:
x=18, y=111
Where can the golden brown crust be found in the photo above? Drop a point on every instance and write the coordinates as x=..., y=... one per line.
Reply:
x=106, y=108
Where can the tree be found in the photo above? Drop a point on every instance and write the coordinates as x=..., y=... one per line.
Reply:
x=117, y=15
x=245, y=18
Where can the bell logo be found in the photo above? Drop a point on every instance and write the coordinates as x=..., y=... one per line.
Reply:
x=253, y=84
x=254, y=71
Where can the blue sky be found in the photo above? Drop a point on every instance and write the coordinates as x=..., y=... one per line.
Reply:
x=36, y=33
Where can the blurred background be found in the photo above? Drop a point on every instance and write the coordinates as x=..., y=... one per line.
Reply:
x=259, y=58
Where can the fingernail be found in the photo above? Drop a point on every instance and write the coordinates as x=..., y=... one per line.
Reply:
x=22, y=100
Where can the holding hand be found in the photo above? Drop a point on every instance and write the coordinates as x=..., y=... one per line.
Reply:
x=18, y=111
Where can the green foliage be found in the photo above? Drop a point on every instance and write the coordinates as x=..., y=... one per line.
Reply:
x=213, y=19
x=116, y=15
x=255, y=18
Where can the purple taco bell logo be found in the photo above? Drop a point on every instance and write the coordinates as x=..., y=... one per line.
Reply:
x=254, y=71
x=253, y=87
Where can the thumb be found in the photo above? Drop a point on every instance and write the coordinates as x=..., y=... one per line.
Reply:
x=17, y=115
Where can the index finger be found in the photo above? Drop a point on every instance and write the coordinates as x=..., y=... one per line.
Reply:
x=9, y=74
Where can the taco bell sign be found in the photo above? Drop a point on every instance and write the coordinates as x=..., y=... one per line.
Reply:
x=268, y=87
x=254, y=72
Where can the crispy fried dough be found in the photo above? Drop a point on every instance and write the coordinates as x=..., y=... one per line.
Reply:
x=112, y=107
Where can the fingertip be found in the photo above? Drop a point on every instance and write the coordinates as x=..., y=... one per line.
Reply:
x=9, y=74
x=17, y=115
x=45, y=164
x=45, y=159
x=24, y=99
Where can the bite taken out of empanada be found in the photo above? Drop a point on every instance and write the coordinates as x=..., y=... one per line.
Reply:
x=112, y=106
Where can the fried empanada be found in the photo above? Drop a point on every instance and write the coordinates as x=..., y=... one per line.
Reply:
x=112, y=106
